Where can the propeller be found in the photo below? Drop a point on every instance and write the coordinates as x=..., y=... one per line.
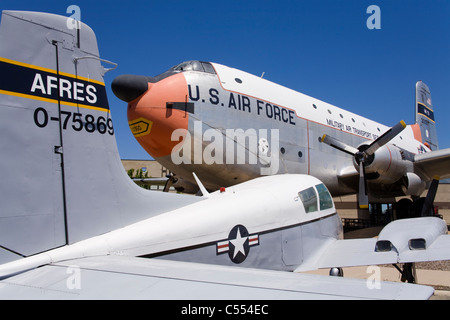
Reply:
x=364, y=155
x=427, y=209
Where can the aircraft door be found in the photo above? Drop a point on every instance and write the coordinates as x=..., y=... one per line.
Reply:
x=291, y=246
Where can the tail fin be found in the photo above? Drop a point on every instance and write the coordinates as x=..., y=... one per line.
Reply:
x=61, y=178
x=425, y=116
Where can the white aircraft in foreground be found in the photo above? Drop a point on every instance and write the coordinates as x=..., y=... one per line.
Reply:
x=73, y=225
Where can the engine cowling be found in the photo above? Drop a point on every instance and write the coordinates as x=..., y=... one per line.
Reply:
x=386, y=165
x=414, y=186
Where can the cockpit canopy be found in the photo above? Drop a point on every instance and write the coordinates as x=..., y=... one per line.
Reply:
x=193, y=65
x=129, y=87
x=316, y=198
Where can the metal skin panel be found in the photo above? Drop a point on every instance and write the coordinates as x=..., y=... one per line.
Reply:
x=31, y=209
x=401, y=241
x=436, y=163
x=234, y=99
x=279, y=249
x=400, y=232
x=425, y=116
x=25, y=228
x=248, y=218
x=211, y=104
x=115, y=277
x=327, y=164
x=58, y=142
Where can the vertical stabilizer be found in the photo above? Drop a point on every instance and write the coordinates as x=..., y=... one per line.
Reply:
x=425, y=116
x=61, y=177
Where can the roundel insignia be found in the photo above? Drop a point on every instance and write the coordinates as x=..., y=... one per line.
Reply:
x=238, y=244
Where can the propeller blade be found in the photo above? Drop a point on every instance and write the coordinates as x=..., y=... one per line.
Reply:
x=363, y=199
x=385, y=138
x=361, y=156
x=333, y=142
x=431, y=194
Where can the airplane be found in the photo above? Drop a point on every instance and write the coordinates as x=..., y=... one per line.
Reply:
x=230, y=126
x=74, y=226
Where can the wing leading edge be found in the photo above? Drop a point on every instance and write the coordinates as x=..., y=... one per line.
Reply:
x=434, y=163
x=119, y=277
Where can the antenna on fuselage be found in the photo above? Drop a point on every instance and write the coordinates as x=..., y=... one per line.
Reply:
x=201, y=186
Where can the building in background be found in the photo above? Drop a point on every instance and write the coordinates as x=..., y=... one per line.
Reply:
x=145, y=169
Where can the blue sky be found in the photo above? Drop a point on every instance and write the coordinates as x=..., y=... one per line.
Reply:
x=320, y=48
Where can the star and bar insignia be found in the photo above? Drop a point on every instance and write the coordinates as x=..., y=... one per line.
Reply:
x=238, y=244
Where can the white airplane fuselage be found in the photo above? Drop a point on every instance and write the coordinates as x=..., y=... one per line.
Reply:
x=234, y=126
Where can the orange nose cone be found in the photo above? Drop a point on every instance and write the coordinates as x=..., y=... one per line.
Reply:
x=152, y=122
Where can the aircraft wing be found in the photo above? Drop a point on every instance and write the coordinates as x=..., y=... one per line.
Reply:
x=401, y=241
x=151, y=181
x=120, y=277
x=434, y=163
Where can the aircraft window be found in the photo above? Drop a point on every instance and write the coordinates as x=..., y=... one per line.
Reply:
x=282, y=150
x=324, y=197
x=300, y=154
x=195, y=66
x=353, y=120
x=309, y=199
x=238, y=80
x=185, y=66
x=329, y=111
x=208, y=67
x=341, y=115
x=314, y=106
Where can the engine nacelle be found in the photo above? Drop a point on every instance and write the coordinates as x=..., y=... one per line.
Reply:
x=386, y=165
x=415, y=185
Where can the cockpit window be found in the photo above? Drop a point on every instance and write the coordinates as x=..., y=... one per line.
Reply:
x=309, y=199
x=195, y=66
x=208, y=67
x=185, y=66
x=325, y=200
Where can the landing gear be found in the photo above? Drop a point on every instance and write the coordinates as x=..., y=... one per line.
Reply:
x=404, y=208
x=171, y=180
x=418, y=206
x=407, y=208
x=408, y=273
x=336, y=272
